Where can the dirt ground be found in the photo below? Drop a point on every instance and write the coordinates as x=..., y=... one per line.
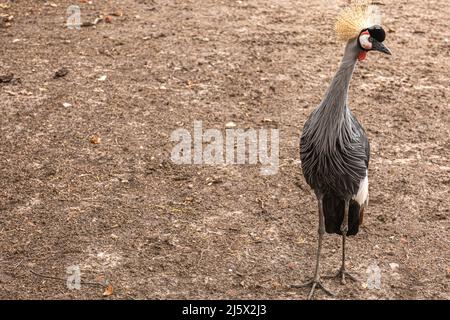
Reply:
x=122, y=211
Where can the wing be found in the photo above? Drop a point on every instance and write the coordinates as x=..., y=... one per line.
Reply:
x=362, y=139
x=306, y=154
x=340, y=169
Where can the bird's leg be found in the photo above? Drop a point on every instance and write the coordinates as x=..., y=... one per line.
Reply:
x=344, y=229
x=316, y=282
x=342, y=273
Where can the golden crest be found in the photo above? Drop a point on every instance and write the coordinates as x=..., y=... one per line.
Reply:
x=358, y=15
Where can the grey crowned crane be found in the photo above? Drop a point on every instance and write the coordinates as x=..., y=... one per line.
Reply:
x=334, y=148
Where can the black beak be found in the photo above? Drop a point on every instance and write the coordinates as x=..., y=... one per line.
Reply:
x=379, y=46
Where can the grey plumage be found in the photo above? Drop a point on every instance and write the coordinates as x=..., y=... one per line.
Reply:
x=334, y=149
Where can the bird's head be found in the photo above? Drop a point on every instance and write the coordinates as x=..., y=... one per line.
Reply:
x=371, y=39
x=361, y=21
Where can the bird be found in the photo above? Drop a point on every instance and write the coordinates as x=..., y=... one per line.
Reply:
x=334, y=147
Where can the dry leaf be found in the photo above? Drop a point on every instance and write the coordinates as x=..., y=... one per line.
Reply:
x=95, y=140
x=108, y=291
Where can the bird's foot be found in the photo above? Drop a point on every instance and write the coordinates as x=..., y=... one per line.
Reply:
x=342, y=274
x=314, y=283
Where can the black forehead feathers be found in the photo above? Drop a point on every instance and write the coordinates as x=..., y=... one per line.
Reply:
x=377, y=32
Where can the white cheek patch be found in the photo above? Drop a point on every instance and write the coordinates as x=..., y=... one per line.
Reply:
x=364, y=41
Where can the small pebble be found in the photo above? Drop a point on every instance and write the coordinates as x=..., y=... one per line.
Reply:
x=394, y=266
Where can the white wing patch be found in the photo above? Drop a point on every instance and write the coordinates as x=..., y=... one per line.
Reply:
x=362, y=197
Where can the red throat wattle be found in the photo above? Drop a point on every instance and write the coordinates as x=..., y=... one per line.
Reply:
x=362, y=56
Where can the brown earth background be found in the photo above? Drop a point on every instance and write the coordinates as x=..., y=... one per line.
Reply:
x=124, y=213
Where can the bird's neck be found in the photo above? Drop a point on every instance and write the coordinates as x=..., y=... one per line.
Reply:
x=336, y=96
x=332, y=119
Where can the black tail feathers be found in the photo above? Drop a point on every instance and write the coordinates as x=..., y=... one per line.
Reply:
x=333, y=208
